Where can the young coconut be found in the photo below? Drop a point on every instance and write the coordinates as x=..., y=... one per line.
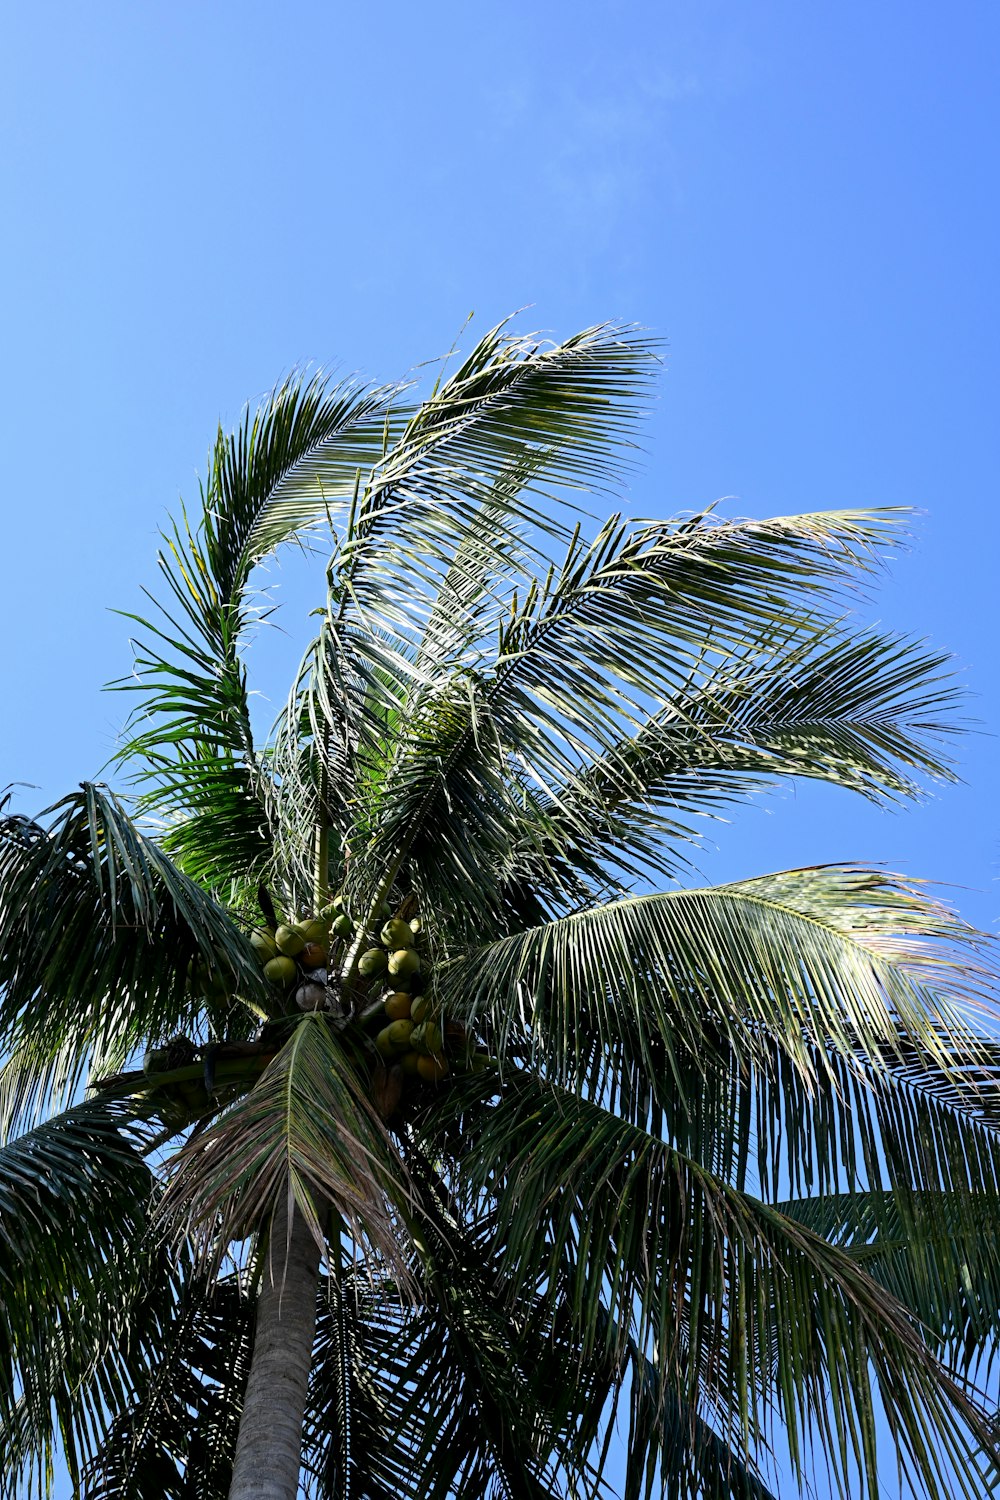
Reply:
x=426, y=1037
x=399, y=1035
x=289, y=941
x=396, y=934
x=313, y=956
x=280, y=970
x=314, y=930
x=397, y=1007
x=384, y=1042
x=421, y=1007
x=372, y=962
x=263, y=944
x=404, y=962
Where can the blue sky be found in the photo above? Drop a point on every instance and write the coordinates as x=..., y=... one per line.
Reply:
x=800, y=200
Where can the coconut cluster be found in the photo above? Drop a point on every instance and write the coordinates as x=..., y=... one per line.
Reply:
x=294, y=957
x=295, y=954
x=415, y=1035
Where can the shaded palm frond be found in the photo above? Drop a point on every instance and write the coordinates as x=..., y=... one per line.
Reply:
x=175, y=1439
x=437, y=1402
x=308, y=1129
x=98, y=930
x=749, y=1312
x=468, y=1392
x=673, y=1452
x=84, y=1293
x=356, y=1446
x=935, y=1253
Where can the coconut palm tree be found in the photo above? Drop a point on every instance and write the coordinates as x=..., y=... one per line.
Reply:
x=714, y=1163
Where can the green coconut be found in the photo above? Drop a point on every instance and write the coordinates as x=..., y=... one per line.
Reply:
x=385, y=1043
x=415, y=925
x=156, y=1060
x=395, y=934
x=372, y=962
x=342, y=927
x=289, y=941
x=263, y=944
x=420, y=1007
x=426, y=1037
x=399, y=1034
x=405, y=961
x=280, y=970
x=314, y=930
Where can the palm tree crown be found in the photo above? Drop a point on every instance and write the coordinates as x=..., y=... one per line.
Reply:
x=711, y=1161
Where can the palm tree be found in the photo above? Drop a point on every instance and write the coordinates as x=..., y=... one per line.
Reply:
x=717, y=1161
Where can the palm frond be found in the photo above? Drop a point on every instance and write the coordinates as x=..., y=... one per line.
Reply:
x=749, y=1312
x=453, y=496
x=468, y=1392
x=859, y=710
x=565, y=414
x=75, y=1267
x=98, y=929
x=287, y=468
x=175, y=1438
x=620, y=631
x=675, y=1453
x=307, y=1128
x=935, y=1253
x=836, y=959
x=355, y=1447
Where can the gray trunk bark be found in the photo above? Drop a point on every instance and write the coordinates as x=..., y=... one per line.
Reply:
x=269, y=1446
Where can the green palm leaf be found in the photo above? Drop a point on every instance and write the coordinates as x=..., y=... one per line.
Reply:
x=355, y=1445
x=281, y=473
x=833, y=958
x=855, y=710
x=174, y=1439
x=716, y=1280
x=75, y=1194
x=306, y=1129
x=672, y=1451
x=98, y=929
x=936, y=1255
x=619, y=630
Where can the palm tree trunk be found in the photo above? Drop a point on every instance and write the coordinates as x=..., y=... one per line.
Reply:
x=269, y=1446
